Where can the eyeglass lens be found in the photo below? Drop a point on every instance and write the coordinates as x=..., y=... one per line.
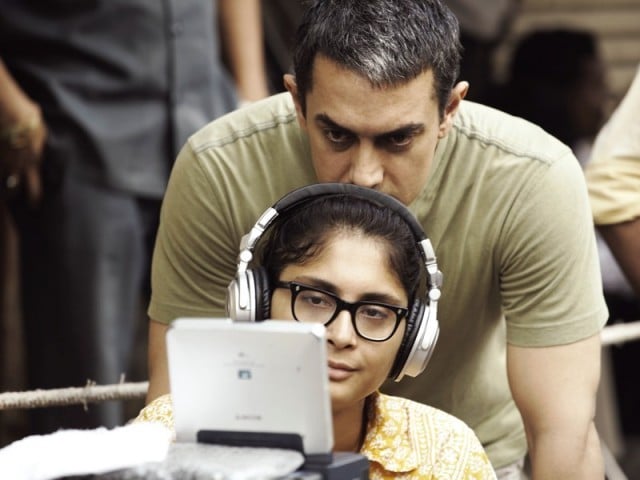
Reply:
x=371, y=321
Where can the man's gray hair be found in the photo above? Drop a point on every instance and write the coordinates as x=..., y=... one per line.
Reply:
x=389, y=42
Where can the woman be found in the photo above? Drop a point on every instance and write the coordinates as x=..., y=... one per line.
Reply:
x=348, y=260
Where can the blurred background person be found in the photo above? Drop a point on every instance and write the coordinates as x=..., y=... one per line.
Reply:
x=96, y=98
x=281, y=19
x=556, y=79
x=484, y=25
x=613, y=178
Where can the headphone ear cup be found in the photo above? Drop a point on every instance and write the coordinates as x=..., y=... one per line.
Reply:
x=418, y=346
x=239, y=304
x=413, y=321
x=262, y=294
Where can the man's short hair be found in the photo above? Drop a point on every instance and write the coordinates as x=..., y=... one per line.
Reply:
x=389, y=42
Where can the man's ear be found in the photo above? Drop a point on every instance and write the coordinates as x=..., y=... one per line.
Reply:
x=292, y=87
x=458, y=92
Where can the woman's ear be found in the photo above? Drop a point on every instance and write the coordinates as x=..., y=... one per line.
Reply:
x=292, y=87
x=458, y=92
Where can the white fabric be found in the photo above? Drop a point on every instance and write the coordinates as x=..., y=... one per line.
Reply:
x=216, y=462
x=79, y=452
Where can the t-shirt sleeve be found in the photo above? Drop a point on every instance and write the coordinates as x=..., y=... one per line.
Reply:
x=196, y=247
x=549, y=272
x=224, y=178
x=614, y=189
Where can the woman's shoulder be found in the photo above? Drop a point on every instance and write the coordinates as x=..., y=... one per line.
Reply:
x=159, y=411
x=416, y=410
x=443, y=444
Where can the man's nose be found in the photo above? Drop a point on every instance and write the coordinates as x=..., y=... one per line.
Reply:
x=366, y=166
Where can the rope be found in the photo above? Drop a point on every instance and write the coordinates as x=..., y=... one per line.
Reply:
x=619, y=333
x=91, y=393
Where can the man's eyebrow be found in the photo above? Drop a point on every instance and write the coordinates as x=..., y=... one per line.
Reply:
x=410, y=129
x=326, y=120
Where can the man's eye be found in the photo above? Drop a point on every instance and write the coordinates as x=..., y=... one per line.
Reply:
x=399, y=141
x=337, y=136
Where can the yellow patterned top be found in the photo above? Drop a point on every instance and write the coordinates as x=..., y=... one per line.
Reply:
x=404, y=440
x=158, y=411
x=410, y=440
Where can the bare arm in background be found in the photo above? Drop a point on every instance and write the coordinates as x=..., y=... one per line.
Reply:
x=243, y=46
x=22, y=137
x=624, y=241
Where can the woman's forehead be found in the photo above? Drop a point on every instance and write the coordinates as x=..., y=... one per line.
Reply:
x=351, y=262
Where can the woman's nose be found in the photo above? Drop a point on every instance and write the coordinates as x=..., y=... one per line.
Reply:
x=341, y=331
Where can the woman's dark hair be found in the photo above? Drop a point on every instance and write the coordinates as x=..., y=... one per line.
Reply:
x=389, y=42
x=301, y=234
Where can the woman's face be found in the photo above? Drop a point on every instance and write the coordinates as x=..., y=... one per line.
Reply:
x=353, y=267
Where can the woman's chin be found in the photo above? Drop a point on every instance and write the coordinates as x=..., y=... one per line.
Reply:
x=343, y=398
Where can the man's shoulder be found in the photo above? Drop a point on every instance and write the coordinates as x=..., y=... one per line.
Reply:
x=502, y=135
x=498, y=156
x=249, y=157
x=274, y=116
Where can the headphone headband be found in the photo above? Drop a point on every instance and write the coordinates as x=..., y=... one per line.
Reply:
x=308, y=193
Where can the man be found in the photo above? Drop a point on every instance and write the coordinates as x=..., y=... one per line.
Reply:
x=374, y=102
x=95, y=100
x=484, y=25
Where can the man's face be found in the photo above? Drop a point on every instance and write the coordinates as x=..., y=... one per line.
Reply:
x=382, y=138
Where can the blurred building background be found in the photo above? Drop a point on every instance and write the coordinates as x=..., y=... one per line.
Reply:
x=616, y=23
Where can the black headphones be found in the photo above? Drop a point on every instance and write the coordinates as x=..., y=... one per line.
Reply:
x=249, y=295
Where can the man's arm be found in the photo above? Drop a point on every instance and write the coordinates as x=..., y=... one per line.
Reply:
x=157, y=358
x=624, y=241
x=555, y=391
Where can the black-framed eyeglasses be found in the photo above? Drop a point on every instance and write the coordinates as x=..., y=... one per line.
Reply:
x=373, y=321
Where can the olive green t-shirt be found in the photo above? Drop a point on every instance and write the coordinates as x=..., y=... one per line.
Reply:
x=505, y=207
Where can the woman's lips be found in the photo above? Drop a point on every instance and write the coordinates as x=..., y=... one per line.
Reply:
x=339, y=371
